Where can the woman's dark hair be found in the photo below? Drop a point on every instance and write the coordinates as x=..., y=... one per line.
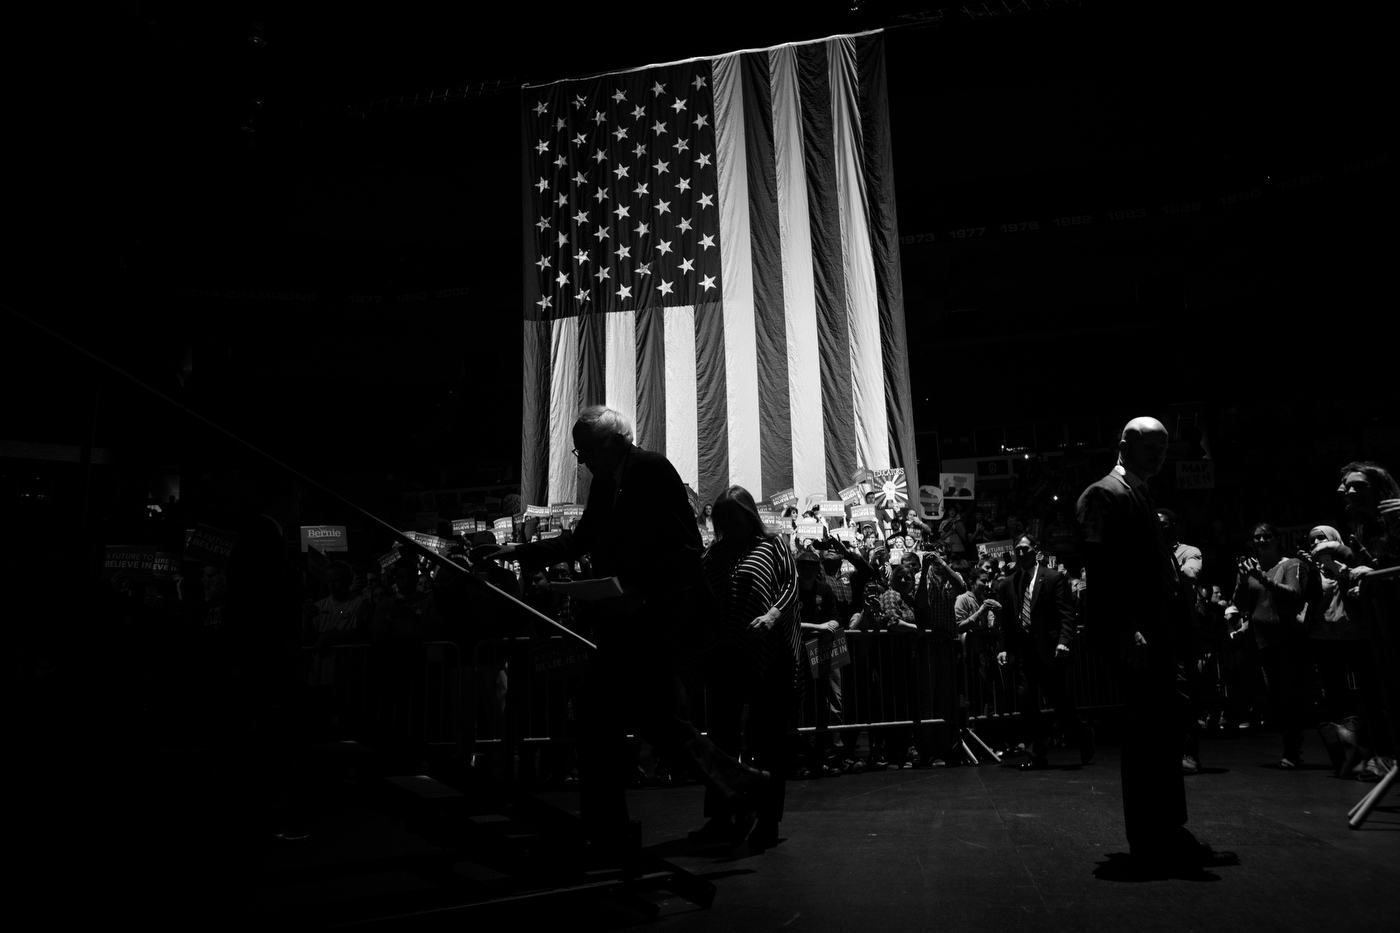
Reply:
x=1378, y=476
x=1268, y=529
x=735, y=517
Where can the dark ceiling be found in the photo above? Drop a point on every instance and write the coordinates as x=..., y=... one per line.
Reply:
x=146, y=175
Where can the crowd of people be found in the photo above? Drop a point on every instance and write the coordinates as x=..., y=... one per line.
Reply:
x=1289, y=645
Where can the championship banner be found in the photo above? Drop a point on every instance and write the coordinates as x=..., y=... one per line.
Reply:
x=137, y=561
x=325, y=537
x=209, y=545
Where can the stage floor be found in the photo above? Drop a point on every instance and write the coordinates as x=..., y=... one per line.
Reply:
x=948, y=849
x=975, y=848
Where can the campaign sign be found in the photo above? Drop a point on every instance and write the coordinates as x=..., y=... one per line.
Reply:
x=783, y=498
x=776, y=523
x=1195, y=474
x=847, y=535
x=832, y=509
x=862, y=513
x=387, y=561
x=537, y=511
x=853, y=494
x=552, y=533
x=210, y=545
x=861, y=476
x=137, y=561
x=325, y=537
x=316, y=564
x=557, y=656
x=931, y=501
x=433, y=543
x=827, y=652
x=464, y=526
x=814, y=530
x=994, y=548
x=958, y=485
x=571, y=515
x=166, y=566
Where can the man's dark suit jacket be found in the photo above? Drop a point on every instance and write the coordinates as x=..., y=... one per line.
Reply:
x=1132, y=583
x=641, y=530
x=1052, y=614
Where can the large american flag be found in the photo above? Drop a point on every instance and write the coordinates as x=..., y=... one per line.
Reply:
x=711, y=248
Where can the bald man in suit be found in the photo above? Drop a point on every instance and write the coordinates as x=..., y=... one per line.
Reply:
x=1137, y=602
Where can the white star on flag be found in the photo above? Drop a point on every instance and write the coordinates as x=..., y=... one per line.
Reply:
x=703, y=161
x=707, y=282
x=581, y=258
x=542, y=147
x=681, y=145
x=707, y=200
x=583, y=295
x=687, y=265
x=578, y=102
x=663, y=207
x=664, y=288
x=662, y=167
x=540, y=108
x=678, y=105
x=545, y=302
x=601, y=195
x=706, y=241
x=664, y=247
x=579, y=179
x=658, y=128
x=544, y=224
x=562, y=279
x=599, y=117
x=542, y=184
x=622, y=211
x=620, y=133
x=644, y=269
x=542, y=262
x=620, y=96
x=602, y=273
x=600, y=156
x=699, y=82
x=658, y=89
x=639, y=151
x=601, y=233
x=563, y=238
x=561, y=161
x=640, y=190
x=701, y=121
x=638, y=112
x=625, y=291
x=581, y=217
x=580, y=139
x=683, y=184
x=624, y=252
x=620, y=171
x=562, y=199
x=641, y=230
x=560, y=123
x=684, y=224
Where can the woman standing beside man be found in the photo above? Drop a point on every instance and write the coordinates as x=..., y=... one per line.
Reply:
x=754, y=579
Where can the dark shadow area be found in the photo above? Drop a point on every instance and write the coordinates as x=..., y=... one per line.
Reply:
x=1122, y=867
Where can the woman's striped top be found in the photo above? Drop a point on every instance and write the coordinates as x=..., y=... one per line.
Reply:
x=747, y=585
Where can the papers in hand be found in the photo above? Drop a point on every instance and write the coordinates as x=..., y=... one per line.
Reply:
x=589, y=590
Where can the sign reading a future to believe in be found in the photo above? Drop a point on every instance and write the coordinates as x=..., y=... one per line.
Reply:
x=325, y=537
x=1195, y=474
x=209, y=545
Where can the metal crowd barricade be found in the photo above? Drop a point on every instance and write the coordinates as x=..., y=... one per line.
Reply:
x=419, y=703
x=519, y=690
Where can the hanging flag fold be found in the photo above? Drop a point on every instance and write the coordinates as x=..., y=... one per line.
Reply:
x=711, y=248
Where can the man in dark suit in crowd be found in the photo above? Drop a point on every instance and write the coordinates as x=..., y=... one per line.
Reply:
x=639, y=526
x=1034, y=638
x=1137, y=603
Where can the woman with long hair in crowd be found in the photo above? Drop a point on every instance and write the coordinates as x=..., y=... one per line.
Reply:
x=1372, y=499
x=754, y=580
x=1269, y=593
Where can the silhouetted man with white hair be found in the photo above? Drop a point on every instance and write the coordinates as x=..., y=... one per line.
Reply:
x=1138, y=601
x=638, y=525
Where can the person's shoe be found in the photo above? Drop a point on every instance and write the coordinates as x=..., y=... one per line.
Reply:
x=878, y=762
x=1087, y=746
x=764, y=835
x=1210, y=858
x=1189, y=765
x=716, y=829
x=854, y=765
x=746, y=804
x=1035, y=764
x=801, y=774
x=912, y=759
x=1289, y=762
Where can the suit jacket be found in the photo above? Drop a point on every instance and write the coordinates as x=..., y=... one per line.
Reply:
x=640, y=529
x=1133, y=583
x=1052, y=614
